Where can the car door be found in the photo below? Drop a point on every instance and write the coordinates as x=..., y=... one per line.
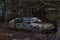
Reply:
x=18, y=23
x=27, y=25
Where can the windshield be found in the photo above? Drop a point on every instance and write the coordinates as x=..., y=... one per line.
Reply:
x=35, y=20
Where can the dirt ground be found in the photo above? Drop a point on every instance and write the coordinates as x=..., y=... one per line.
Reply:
x=9, y=34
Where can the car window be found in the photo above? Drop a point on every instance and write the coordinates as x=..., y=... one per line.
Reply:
x=33, y=19
x=18, y=20
x=28, y=22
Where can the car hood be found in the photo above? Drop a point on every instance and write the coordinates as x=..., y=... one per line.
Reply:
x=36, y=25
x=47, y=25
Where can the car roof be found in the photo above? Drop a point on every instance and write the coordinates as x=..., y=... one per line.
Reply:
x=29, y=18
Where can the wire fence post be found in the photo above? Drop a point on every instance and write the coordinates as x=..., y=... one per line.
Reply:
x=58, y=29
x=6, y=16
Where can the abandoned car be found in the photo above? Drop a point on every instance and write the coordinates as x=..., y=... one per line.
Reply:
x=30, y=23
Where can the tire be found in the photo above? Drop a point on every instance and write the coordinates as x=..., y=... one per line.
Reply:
x=35, y=29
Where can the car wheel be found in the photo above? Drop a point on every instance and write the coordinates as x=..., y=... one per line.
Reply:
x=35, y=29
